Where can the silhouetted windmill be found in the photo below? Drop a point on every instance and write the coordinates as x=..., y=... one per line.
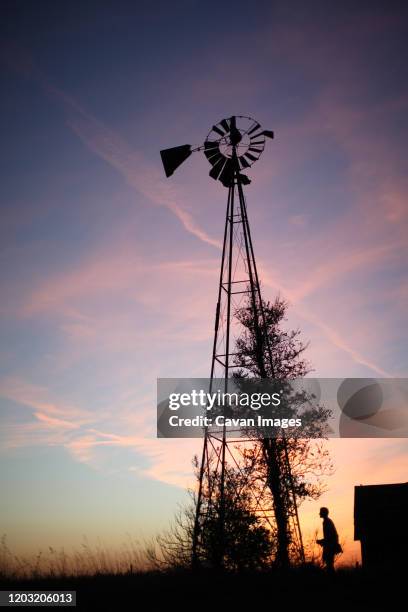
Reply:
x=231, y=147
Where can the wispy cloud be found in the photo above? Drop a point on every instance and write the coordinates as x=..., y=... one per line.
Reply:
x=55, y=423
x=87, y=448
x=38, y=397
x=146, y=178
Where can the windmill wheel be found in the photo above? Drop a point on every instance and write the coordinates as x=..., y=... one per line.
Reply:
x=238, y=136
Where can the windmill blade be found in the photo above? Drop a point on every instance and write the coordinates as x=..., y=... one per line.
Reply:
x=212, y=151
x=216, y=159
x=225, y=125
x=174, y=157
x=268, y=133
x=251, y=148
x=217, y=129
x=253, y=129
x=227, y=175
x=258, y=135
x=243, y=162
x=215, y=171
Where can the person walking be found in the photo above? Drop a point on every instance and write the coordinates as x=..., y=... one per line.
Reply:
x=330, y=541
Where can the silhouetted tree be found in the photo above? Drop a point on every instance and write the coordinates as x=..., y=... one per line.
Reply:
x=247, y=543
x=279, y=354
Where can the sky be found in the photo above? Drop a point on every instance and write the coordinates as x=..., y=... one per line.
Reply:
x=109, y=270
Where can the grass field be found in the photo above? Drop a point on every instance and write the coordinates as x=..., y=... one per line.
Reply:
x=107, y=580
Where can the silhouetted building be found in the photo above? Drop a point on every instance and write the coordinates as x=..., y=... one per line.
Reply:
x=381, y=524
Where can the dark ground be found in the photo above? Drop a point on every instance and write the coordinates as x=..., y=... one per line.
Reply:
x=307, y=587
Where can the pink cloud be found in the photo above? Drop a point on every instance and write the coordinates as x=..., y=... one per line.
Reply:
x=53, y=422
x=177, y=472
x=38, y=398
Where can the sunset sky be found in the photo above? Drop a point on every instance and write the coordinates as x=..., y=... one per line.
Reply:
x=109, y=270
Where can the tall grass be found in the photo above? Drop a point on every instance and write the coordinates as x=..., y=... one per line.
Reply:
x=131, y=557
x=88, y=560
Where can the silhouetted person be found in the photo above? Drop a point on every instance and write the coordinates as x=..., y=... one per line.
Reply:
x=330, y=541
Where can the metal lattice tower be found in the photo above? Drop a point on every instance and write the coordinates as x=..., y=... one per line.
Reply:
x=233, y=145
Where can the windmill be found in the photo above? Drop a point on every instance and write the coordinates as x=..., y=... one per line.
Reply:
x=232, y=146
